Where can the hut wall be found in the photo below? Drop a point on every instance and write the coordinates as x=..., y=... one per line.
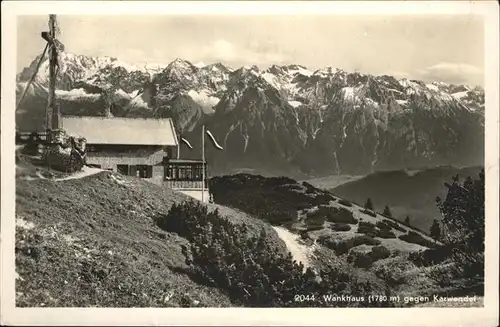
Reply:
x=110, y=159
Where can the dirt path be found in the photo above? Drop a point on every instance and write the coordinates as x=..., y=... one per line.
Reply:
x=300, y=252
x=86, y=171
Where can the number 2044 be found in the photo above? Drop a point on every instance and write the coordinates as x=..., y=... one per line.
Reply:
x=304, y=298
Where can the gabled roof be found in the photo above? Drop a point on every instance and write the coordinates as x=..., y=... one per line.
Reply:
x=119, y=130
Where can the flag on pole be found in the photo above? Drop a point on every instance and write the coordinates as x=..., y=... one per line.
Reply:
x=212, y=138
x=186, y=142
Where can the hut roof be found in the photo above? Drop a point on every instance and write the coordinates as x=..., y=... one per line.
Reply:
x=118, y=130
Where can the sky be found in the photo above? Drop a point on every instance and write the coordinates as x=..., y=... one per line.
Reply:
x=448, y=48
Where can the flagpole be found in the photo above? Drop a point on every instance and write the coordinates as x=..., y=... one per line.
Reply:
x=179, y=147
x=203, y=160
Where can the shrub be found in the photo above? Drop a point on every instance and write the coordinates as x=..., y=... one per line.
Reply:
x=364, y=239
x=360, y=259
x=278, y=181
x=343, y=247
x=278, y=216
x=395, y=225
x=247, y=267
x=312, y=228
x=369, y=204
x=387, y=212
x=304, y=235
x=416, y=238
x=394, y=271
x=379, y=252
x=315, y=222
x=375, y=231
x=385, y=233
x=435, y=230
x=322, y=198
x=431, y=256
x=275, y=200
x=367, y=228
x=327, y=241
x=308, y=185
x=294, y=187
x=369, y=212
x=383, y=225
x=340, y=227
x=310, y=190
x=345, y=202
x=334, y=215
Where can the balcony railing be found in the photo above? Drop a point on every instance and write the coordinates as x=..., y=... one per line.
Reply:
x=184, y=184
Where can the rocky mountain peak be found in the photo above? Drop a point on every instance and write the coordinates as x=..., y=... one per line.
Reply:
x=346, y=121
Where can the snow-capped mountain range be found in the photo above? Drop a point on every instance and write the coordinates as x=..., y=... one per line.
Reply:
x=282, y=118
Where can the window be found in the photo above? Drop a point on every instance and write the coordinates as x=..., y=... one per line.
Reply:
x=189, y=172
x=144, y=171
x=170, y=172
x=198, y=173
x=122, y=169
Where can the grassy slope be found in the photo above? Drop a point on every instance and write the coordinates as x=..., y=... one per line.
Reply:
x=247, y=192
x=92, y=242
x=252, y=194
x=407, y=194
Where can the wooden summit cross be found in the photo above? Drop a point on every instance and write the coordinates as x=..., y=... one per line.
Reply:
x=51, y=120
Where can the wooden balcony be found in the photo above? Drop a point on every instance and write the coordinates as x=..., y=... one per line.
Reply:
x=178, y=184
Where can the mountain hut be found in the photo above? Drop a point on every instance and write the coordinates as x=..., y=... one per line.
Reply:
x=140, y=147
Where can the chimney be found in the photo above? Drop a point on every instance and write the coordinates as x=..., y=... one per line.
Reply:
x=56, y=118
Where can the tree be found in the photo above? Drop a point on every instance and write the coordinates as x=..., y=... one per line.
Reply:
x=369, y=204
x=463, y=224
x=387, y=212
x=407, y=220
x=435, y=230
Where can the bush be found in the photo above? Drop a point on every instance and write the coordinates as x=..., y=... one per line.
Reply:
x=431, y=257
x=345, y=202
x=369, y=212
x=374, y=230
x=369, y=204
x=395, y=225
x=387, y=212
x=275, y=200
x=278, y=181
x=322, y=198
x=463, y=223
x=416, y=238
x=435, y=230
x=379, y=252
x=383, y=226
x=394, y=271
x=315, y=222
x=367, y=228
x=334, y=215
x=343, y=247
x=340, y=227
x=247, y=267
x=294, y=187
x=312, y=228
x=359, y=259
x=278, y=217
x=385, y=233
x=308, y=186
